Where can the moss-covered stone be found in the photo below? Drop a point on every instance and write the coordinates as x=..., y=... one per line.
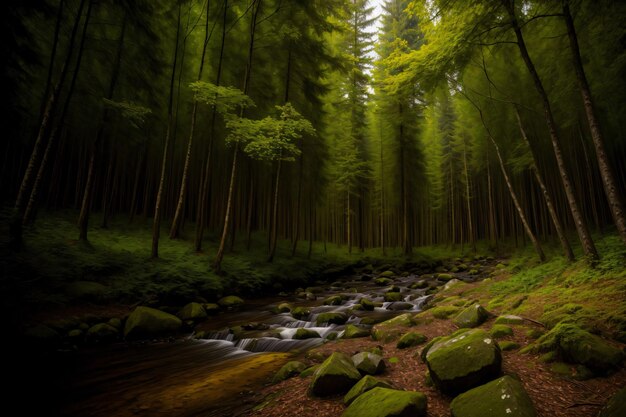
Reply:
x=372, y=320
x=445, y=277
x=331, y=318
x=419, y=285
x=385, y=402
x=509, y=319
x=381, y=282
x=393, y=328
x=102, y=332
x=115, y=322
x=333, y=300
x=616, y=406
x=86, y=290
x=283, y=308
x=309, y=371
x=443, y=312
x=367, y=304
x=386, y=274
x=410, y=339
x=366, y=383
x=303, y=333
x=300, y=313
x=230, y=301
x=507, y=345
x=336, y=375
x=211, y=308
x=561, y=368
x=289, y=370
x=369, y=363
x=393, y=296
x=458, y=363
x=500, y=330
x=548, y=357
x=504, y=397
x=472, y=316
x=147, y=322
x=534, y=333
x=427, y=346
x=192, y=311
x=352, y=332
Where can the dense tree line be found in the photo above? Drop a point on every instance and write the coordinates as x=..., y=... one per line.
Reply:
x=215, y=119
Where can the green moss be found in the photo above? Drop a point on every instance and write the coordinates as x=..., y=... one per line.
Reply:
x=385, y=402
x=386, y=274
x=472, y=316
x=410, y=339
x=367, y=304
x=509, y=319
x=333, y=300
x=561, y=368
x=366, y=383
x=331, y=318
x=500, y=330
x=300, y=313
x=507, y=345
x=289, y=370
x=534, y=333
x=309, y=371
x=381, y=282
x=336, y=375
x=352, y=332
x=444, y=312
x=283, y=308
x=303, y=333
x=147, y=322
x=445, y=277
x=616, y=406
x=393, y=296
x=549, y=357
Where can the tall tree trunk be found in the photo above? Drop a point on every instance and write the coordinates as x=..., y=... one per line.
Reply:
x=609, y=183
x=178, y=214
x=349, y=222
x=274, y=232
x=382, y=194
x=470, y=228
x=567, y=249
x=296, y=234
x=156, y=225
x=493, y=233
x=580, y=222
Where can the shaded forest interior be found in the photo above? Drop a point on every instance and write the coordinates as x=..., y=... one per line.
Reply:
x=318, y=121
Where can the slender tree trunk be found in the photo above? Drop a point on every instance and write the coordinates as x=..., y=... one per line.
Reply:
x=492, y=215
x=296, y=234
x=133, y=204
x=567, y=249
x=470, y=228
x=349, y=222
x=609, y=183
x=580, y=222
x=274, y=232
x=382, y=194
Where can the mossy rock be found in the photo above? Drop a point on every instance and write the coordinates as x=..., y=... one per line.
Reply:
x=303, y=333
x=102, y=332
x=75, y=334
x=386, y=274
x=333, y=300
x=405, y=319
x=509, y=319
x=290, y=369
x=148, y=322
x=534, y=333
x=300, y=313
x=549, y=357
x=504, y=397
x=372, y=320
x=314, y=290
x=211, y=308
x=410, y=339
x=507, y=345
x=445, y=277
x=393, y=296
x=386, y=402
x=332, y=318
x=473, y=272
x=443, y=312
x=309, y=371
x=115, y=322
x=616, y=406
x=392, y=329
x=86, y=290
x=400, y=306
x=500, y=330
x=283, y=308
x=381, y=282
x=366, y=383
x=332, y=336
x=336, y=375
x=460, y=362
x=393, y=288
x=369, y=363
x=419, y=285
x=192, y=311
x=561, y=368
x=427, y=346
x=367, y=304
x=472, y=316
x=581, y=347
x=500, y=266
x=352, y=332
x=230, y=301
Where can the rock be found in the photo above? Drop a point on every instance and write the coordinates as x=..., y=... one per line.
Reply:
x=42, y=334
x=192, y=311
x=411, y=339
x=367, y=304
x=445, y=277
x=500, y=330
x=472, y=316
x=115, y=322
x=509, y=319
x=283, y=308
x=333, y=300
x=369, y=363
x=288, y=370
x=102, y=332
x=314, y=290
x=386, y=274
x=385, y=402
x=332, y=318
x=147, y=322
x=504, y=397
x=393, y=296
x=534, y=333
x=393, y=328
x=86, y=290
x=75, y=334
x=393, y=288
x=332, y=336
x=443, y=312
x=451, y=283
x=336, y=375
x=211, y=308
x=352, y=332
x=382, y=282
x=507, y=345
x=419, y=285
x=230, y=301
x=616, y=406
x=399, y=306
x=309, y=371
x=460, y=362
x=300, y=313
x=366, y=383
x=303, y=333
x=473, y=272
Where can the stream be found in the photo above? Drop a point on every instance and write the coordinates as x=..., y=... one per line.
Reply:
x=236, y=355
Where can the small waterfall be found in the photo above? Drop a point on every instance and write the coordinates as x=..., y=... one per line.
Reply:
x=271, y=344
x=224, y=334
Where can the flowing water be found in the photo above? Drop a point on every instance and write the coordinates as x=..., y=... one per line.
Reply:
x=237, y=354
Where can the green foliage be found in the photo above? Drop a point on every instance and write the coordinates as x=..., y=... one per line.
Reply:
x=134, y=113
x=225, y=99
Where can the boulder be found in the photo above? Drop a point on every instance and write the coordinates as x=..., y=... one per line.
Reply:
x=86, y=290
x=507, y=345
x=509, y=319
x=283, y=308
x=504, y=397
x=300, y=313
x=616, y=406
x=399, y=306
x=331, y=318
x=352, y=332
x=381, y=282
x=369, y=363
x=393, y=296
x=445, y=277
x=333, y=300
x=411, y=339
x=230, y=301
x=102, y=332
x=451, y=283
x=419, y=285
x=147, y=322
x=393, y=328
x=366, y=383
x=500, y=330
x=211, y=308
x=336, y=375
x=289, y=370
x=386, y=274
x=309, y=371
x=192, y=311
x=463, y=361
x=385, y=402
x=472, y=316
x=115, y=322
x=367, y=304
x=303, y=333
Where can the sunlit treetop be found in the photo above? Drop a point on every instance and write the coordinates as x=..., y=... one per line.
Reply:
x=225, y=99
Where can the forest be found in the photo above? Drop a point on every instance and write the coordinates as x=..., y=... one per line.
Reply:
x=256, y=207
